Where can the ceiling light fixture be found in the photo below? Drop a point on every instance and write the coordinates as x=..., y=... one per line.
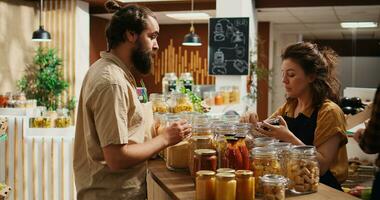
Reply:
x=41, y=35
x=192, y=39
x=358, y=24
x=189, y=16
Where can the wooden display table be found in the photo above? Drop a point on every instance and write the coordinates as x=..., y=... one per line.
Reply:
x=165, y=184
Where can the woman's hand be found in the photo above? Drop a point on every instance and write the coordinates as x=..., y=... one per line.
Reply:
x=280, y=132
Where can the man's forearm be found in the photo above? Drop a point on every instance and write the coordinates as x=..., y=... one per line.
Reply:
x=128, y=155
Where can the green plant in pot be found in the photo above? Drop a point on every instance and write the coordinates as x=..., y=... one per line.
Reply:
x=43, y=80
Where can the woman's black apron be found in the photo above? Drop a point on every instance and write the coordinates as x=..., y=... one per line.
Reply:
x=303, y=128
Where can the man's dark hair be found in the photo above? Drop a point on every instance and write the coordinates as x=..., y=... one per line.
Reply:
x=128, y=18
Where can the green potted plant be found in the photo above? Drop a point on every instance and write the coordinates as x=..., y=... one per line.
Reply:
x=43, y=80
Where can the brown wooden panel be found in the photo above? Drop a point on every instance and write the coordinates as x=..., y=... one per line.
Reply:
x=263, y=30
x=97, y=6
x=311, y=3
x=172, y=56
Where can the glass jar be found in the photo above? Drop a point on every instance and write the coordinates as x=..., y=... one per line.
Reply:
x=175, y=159
x=232, y=157
x=19, y=96
x=234, y=95
x=197, y=142
x=219, y=98
x=225, y=186
x=245, y=185
x=204, y=159
x=273, y=186
x=169, y=83
x=225, y=170
x=63, y=120
x=283, y=153
x=226, y=94
x=183, y=104
x=200, y=119
x=167, y=120
x=231, y=118
x=222, y=131
x=209, y=98
x=186, y=81
x=303, y=170
x=263, y=141
x=205, y=185
x=31, y=103
x=158, y=103
x=3, y=100
x=202, y=130
x=265, y=161
x=245, y=129
x=40, y=122
x=243, y=150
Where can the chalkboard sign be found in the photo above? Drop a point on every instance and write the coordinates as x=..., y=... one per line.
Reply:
x=228, y=46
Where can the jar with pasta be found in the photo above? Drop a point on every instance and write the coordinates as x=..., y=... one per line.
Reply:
x=303, y=170
x=205, y=185
x=265, y=161
x=225, y=186
x=158, y=103
x=274, y=186
x=183, y=104
x=245, y=185
x=283, y=153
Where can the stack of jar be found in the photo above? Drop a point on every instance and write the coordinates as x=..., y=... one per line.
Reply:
x=225, y=185
x=51, y=119
x=16, y=101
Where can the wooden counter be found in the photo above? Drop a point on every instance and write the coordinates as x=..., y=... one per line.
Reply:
x=165, y=184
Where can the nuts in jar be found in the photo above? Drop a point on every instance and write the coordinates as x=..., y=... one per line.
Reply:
x=264, y=162
x=273, y=187
x=303, y=170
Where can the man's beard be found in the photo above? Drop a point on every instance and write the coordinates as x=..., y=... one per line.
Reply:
x=142, y=60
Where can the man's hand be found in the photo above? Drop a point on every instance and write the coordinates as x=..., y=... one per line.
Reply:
x=358, y=134
x=249, y=117
x=176, y=132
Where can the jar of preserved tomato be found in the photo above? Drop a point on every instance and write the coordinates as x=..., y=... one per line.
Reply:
x=245, y=185
x=222, y=131
x=204, y=159
x=197, y=142
x=205, y=185
x=243, y=150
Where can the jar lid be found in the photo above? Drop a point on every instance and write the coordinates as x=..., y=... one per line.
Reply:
x=205, y=152
x=263, y=151
x=306, y=150
x=225, y=170
x=225, y=175
x=225, y=128
x=264, y=140
x=281, y=145
x=197, y=138
x=205, y=173
x=231, y=138
x=244, y=173
x=241, y=135
x=273, y=178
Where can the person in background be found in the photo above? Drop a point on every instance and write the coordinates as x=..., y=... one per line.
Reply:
x=110, y=151
x=311, y=115
x=369, y=141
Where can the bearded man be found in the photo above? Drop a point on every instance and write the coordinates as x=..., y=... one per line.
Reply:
x=110, y=150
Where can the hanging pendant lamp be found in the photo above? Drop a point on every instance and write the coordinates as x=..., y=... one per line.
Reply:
x=192, y=39
x=41, y=35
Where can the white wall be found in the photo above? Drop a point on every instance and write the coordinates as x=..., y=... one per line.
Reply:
x=359, y=71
